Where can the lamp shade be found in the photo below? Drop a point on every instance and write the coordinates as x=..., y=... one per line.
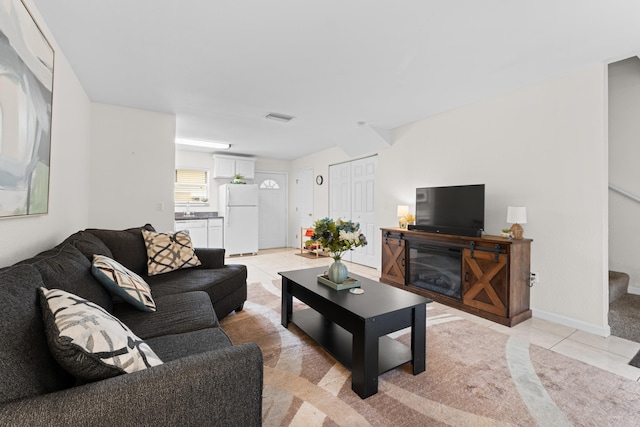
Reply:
x=403, y=210
x=517, y=215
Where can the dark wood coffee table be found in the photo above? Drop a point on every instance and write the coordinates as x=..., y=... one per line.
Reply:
x=353, y=328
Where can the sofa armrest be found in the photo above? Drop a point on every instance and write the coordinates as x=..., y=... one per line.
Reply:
x=221, y=387
x=210, y=257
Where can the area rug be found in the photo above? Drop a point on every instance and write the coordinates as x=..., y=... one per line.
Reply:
x=474, y=377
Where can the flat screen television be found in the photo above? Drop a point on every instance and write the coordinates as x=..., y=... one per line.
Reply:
x=455, y=210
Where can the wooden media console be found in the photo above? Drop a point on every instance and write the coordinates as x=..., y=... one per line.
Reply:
x=487, y=276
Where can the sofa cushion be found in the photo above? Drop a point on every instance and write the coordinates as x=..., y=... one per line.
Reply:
x=87, y=341
x=88, y=244
x=217, y=282
x=66, y=268
x=27, y=367
x=169, y=251
x=126, y=246
x=175, y=314
x=123, y=283
x=172, y=347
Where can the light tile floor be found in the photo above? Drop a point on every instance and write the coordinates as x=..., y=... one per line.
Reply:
x=611, y=354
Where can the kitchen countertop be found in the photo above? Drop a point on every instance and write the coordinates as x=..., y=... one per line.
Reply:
x=181, y=216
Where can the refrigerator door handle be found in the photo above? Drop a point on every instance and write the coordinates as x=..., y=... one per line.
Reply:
x=227, y=206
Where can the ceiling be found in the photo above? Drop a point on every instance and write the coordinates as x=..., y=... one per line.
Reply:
x=349, y=71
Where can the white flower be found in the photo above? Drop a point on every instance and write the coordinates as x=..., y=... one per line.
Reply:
x=348, y=236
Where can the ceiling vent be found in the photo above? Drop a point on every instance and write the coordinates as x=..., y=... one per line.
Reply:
x=279, y=117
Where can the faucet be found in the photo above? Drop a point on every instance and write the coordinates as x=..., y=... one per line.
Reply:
x=187, y=211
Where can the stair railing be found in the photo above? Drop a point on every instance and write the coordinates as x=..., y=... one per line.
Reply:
x=624, y=193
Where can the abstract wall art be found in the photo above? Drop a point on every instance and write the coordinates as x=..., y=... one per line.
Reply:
x=26, y=93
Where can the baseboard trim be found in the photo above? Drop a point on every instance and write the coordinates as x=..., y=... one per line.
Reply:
x=602, y=331
x=633, y=290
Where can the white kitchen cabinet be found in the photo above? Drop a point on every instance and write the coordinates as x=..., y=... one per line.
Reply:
x=216, y=238
x=246, y=168
x=223, y=167
x=197, y=230
x=229, y=166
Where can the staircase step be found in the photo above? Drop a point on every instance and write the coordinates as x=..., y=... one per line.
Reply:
x=618, y=285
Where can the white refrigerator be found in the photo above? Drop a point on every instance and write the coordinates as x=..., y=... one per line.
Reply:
x=238, y=204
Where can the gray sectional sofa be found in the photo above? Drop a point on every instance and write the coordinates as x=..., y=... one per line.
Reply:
x=204, y=378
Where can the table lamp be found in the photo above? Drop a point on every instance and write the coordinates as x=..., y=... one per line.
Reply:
x=403, y=210
x=517, y=215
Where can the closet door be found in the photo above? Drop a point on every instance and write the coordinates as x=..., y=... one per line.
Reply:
x=352, y=197
x=363, y=209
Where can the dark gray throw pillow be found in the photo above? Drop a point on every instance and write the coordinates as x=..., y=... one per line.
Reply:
x=27, y=367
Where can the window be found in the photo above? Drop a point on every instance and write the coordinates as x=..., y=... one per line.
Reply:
x=192, y=186
x=269, y=184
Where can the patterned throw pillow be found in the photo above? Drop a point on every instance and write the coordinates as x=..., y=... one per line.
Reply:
x=89, y=342
x=122, y=282
x=169, y=251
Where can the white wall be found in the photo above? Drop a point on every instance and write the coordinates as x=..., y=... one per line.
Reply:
x=319, y=162
x=543, y=147
x=624, y=154
x=132, y=168
x=272, y=165
x=69, y=185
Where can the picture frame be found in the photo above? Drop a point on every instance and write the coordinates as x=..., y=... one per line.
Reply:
x=26, y=97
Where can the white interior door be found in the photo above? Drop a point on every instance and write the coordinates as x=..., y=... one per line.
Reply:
x=304, y=201
x=352, y=191
x=363, y=209
x=272, y=209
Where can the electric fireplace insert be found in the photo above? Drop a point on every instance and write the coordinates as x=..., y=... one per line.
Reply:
x=436, y=268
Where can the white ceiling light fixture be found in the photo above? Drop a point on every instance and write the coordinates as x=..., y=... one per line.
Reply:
x=280, y=117
x=204, y=144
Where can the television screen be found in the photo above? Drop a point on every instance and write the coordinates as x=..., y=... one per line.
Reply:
x=452, y=210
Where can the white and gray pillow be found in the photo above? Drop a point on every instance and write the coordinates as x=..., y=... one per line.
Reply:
x=123, y=283
x=87, y=341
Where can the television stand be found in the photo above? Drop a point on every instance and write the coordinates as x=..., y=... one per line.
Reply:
x=494, y=271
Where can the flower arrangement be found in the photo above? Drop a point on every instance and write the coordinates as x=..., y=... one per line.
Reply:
x=409, y=218
x=337, y=236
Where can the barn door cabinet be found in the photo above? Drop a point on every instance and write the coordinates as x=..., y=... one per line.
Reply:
x=494, y=272
x=393, y=258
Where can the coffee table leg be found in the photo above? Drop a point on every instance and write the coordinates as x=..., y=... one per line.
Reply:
x=364, y=362
x=287, y=303
x=418, y=338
